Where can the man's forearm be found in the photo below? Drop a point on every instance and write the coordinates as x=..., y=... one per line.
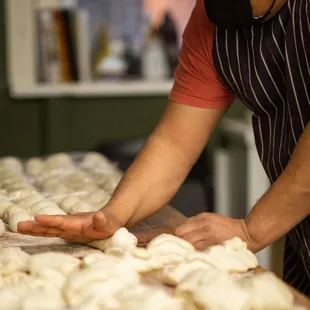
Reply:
x=164, y=162
x=286, y=203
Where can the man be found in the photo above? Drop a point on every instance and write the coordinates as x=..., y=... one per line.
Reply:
x=265, y=61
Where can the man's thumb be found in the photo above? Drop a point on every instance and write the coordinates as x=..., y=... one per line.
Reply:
x=103, y=221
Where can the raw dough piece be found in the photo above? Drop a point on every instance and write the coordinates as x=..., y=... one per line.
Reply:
x=2, y=228
x=59, y=160
x=235, y=244
x=175, y=275
x=218, y=291
x=231, y=260
x=94, y=160
x=141, y=297
x=51, y=298
x=9, y=299
x=69, y=202
x=36, y=208
x=100, y=284
x=34, y=167
x=64, y=263
x=81, y=206
x=97, y=197
x=12, y=260
x=30, y=201
x=10, y=211
x=169, y=249
x=4, y=205
x=22, y=193
x=267, y=292
x=18, y=217
x=14, y=279
x=52, y=276
x=122, y=238
x=50, y=211
x=12, y=163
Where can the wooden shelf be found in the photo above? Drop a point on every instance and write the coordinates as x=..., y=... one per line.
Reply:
x=95, y=89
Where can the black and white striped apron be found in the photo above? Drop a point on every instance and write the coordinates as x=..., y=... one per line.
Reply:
x=268, y=68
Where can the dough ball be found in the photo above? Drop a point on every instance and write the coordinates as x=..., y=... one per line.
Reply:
x=69, y=202
x=2, y=228
x=16, y=218
x=52, y=276
x=12, y=163
x=97, y=197
x=94, y=160
x=34, y=167
x=52, y=300
x=13, y=260
x=81, y=206
x=170, y=249
x=217, y=290
x=121, y=239
x=7, y=297
x=34, y=209
x=14, y=278
x=59, y=160
x=4, y=205
x=22, y=193
x=267, y=292
x=31, y=200
x=50, y=211
x=63, y=263
x=10, y=211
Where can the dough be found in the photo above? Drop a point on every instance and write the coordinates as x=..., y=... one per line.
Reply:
x=12, y=163
x=22, y=193
x=36, y=208
x=34, y=167
x=4, y=205
x=175, y=275
x=50, y=211
x=51, y=298
x=94, y=160
x=169, y=249
x=13, y=260
x=17, y=218
x=64, y=263
x=216, y=290
x=30, y=201
x=97, y=197
x=8, y=298
x=100, y=284
x=141, y=297
x=235, y=244
x=58, y=160
x=52, y=276
x=267, y=292
x=122, y=238
x=81, y=206
x=10, y=211
x=69, y=202
x=231, y=260
x=14, y=278
x=2, y=228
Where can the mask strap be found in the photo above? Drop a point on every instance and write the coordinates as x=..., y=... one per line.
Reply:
x=261, y=18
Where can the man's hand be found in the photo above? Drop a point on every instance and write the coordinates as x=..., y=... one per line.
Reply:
x=207, y=229
x=80, y=227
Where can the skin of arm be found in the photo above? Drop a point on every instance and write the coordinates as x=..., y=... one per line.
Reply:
x=165, y=161
x=286, y=203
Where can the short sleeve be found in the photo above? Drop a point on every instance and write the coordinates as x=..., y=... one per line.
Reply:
x=196, y=81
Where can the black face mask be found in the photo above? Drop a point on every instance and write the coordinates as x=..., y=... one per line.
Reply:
x=233, y=14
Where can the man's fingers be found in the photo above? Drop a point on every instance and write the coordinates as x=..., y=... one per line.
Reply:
x=63, y=222
x=195, y=236
x=185, y=229
x=99, y=221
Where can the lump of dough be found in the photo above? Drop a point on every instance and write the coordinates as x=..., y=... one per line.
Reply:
x=8, y=298
x=12, y=163
x=36, y=208
x=97, y=197
x=50, y=211
x=101, y=284
x=69, y=202
x=217, y=290
x=10, y=211
x=141, y=297
x=267, y=292
x=18, y=217
x=64, y=263
x=94, y=160
x=175, y=275
x=81, y=206
x=12, y=260
x=30, y=201
x=58, y=160
x=34, y=167
x=169, y=249
x=4, y=205
x=235, y=244
x=2, y=228
x=51, y=298
x=231, y=260
x=22, y=193
x=122, y=238
x=52, y=276
x=14, y=278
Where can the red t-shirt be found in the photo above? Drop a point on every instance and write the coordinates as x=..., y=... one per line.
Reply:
x=196, y=81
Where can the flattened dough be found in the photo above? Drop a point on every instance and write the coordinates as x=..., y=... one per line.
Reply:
x=12, y=260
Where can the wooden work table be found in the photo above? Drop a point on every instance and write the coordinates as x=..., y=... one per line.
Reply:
x=165, y=221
